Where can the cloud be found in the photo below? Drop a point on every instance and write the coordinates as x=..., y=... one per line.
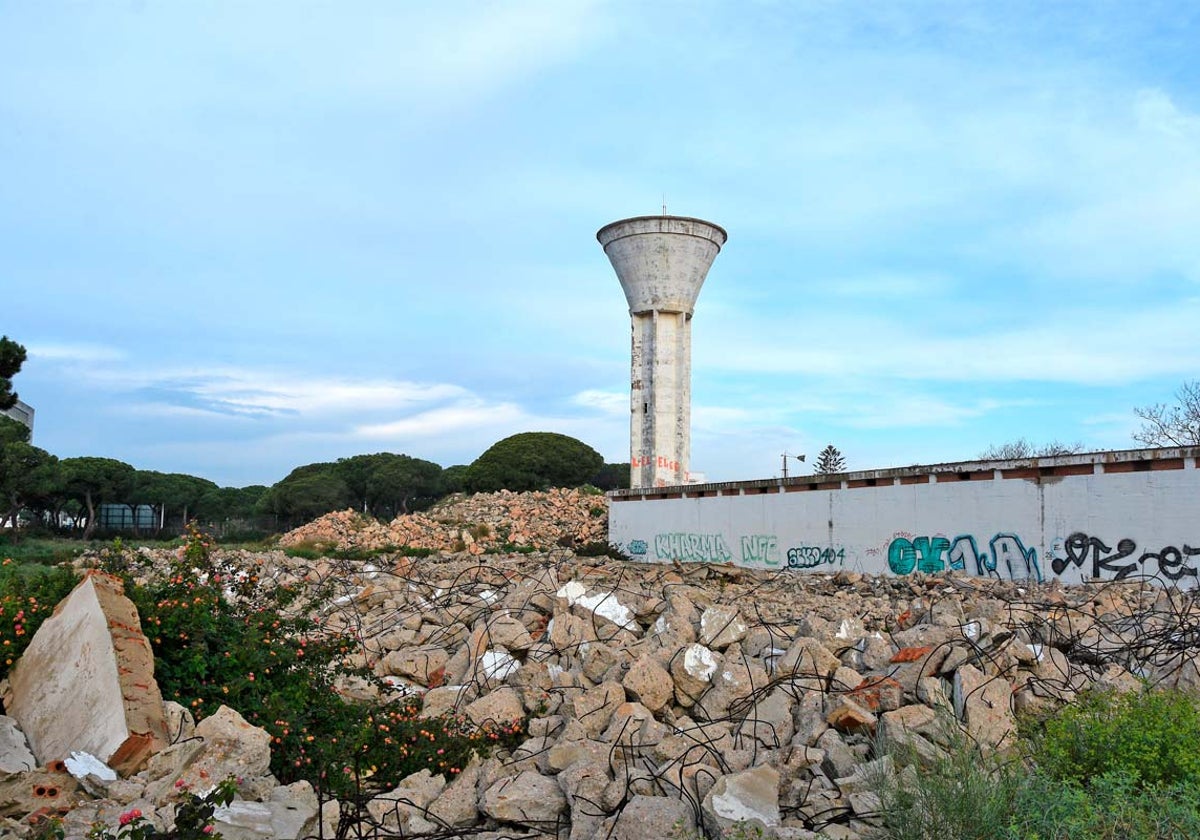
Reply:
x=248, y=391
x=706, y=418
x=469, y=414
x=607, y=402
x=85, y=353
x=239, y=391
x=1066, y=344
x=430, y=55
x=168, y=411
x=916, y=410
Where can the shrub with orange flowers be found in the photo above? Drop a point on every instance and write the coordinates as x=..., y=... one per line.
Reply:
x=29, y=592
x=222, y=637
x=392, y=742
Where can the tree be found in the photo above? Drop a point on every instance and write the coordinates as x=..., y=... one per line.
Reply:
x=168, y=493
x=308, y=492
x=829, y=460
x=398, y=483
x=97, y=481
x=12, y=432
x=221, y=504
x=386, y=484
x=1022, y=448
x=533, y=461
x=612, y=477
x=454, y=478
x=12, y=356
x=28, y=475
x=1172, y=425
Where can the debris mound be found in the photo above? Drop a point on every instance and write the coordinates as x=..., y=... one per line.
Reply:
x=475, y=524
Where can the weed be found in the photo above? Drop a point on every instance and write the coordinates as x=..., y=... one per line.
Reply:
x=600, y=549
x=1150, y=736
x=1111, y=766
x=962, y=792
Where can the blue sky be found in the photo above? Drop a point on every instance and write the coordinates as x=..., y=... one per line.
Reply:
x=241, y=237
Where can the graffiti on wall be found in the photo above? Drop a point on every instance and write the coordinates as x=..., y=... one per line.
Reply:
x=1123, y=559
x=693, y=548
x=756, y=549
x=811, y=556
x=658, y=461
x=762, y=549
x=1007, y=556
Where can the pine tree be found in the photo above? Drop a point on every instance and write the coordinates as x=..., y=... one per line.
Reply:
x=829, y=461
x=12, y=356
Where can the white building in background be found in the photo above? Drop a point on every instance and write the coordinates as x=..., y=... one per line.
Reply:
x=22, y=412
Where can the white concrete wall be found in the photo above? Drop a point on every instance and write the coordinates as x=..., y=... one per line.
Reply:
x=1109, y=524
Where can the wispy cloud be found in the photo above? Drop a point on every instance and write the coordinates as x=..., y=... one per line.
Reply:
x=240, y=390
x=608, y=402
x=468, y=414
x=1069, y=344
x=84, y=353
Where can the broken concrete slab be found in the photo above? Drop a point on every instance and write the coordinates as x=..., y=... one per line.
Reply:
x=86, y=681
x=14, y=749
x=747, y=797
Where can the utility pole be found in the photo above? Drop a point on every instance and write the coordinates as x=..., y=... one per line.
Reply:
x=785, y=456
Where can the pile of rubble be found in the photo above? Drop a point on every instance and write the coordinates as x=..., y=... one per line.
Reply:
x=662, y=701
x=475, y=524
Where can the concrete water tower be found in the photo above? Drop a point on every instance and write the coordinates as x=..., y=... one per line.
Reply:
x=661, y=262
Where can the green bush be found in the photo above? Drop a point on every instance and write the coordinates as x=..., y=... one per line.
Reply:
x=510, y=548
x=1110, y=766
x=1150, y=736
x=222, y=637
x=600, y=549
x=28, y=595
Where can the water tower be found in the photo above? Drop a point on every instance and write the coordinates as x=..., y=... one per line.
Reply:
x=661, y=262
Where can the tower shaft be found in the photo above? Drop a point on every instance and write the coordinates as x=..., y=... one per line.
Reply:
x=660, y=398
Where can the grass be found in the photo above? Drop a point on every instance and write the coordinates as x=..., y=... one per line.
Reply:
x=48, y=551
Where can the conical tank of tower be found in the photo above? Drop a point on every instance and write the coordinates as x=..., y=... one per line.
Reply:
x=661, y=261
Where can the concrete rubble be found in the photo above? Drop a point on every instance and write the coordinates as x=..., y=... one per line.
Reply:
x=474, y=524
x=662, y=700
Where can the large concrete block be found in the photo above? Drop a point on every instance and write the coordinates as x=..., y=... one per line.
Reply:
x=86, y=681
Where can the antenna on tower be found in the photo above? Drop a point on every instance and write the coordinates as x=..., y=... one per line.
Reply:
x=664, y=204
